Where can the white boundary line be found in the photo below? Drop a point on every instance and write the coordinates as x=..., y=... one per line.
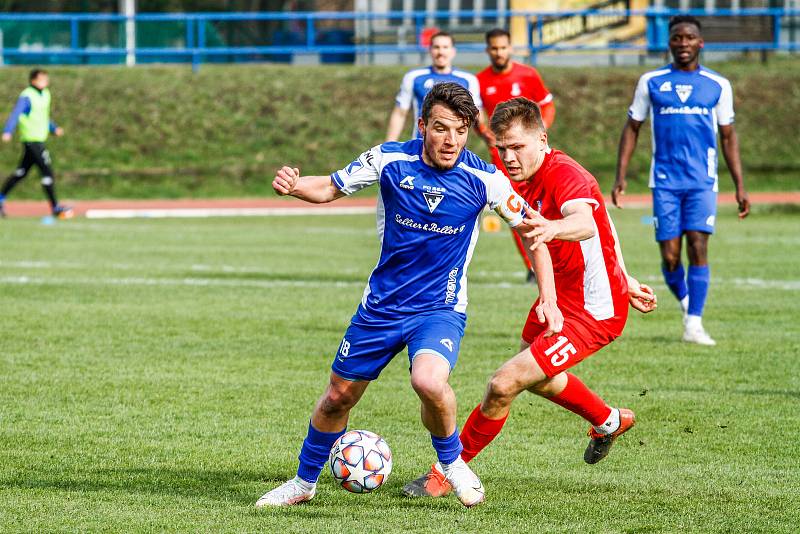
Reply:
x=163, y=213
x=743, y=283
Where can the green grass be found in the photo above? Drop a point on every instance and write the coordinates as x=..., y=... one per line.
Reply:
x=157, y=375
x=162, y=131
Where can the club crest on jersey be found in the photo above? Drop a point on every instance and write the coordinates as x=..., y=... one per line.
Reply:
x=666, y=87
x=433, y=196
x=408, y=183
x=515, y=90
x=447, y=343
x=428, y=83
x=684, y=91
x=491, y=90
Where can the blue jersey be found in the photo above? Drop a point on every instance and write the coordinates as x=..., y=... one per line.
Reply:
x=416, y=84
x=685, y=109
x=428, y=223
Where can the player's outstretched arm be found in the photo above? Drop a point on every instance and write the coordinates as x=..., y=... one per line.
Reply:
x=547, y=309
x=577, y=225
x=397, y=121
x=730, y=149
x=315, y=189
x=640, y=296
x=627, y=144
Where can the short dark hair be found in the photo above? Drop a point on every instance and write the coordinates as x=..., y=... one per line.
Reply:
x=35, y=74
x=684, y=19
x=443, y=34
x=452, y=96
x=521, y=110
x=497, y=32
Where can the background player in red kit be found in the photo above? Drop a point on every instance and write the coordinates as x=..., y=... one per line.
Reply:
x=503, y=80
x=592, y=288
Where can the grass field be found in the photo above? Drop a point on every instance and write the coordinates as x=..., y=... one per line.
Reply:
x=157, y=375
x=163, y=132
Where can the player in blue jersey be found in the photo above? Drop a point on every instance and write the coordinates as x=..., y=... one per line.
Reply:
x=431, y=194
x=687, y=104
x=417, y=82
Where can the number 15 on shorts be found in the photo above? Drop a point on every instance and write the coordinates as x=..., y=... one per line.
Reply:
x=560, y=351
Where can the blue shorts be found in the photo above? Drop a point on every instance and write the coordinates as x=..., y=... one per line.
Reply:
x=675, y=212
x=371, y=342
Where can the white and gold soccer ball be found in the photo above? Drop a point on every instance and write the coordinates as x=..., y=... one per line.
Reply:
x=360, y=461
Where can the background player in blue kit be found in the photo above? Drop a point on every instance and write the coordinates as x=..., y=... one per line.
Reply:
x=432, y=191
x=417, y=82
x=687, y=104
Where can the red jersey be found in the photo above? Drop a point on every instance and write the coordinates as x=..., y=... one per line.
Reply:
x=522, y=80
x=588, y=276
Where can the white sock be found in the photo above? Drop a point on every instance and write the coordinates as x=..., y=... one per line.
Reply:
x=611, y=424
x=684, y=302
x=694, y=322
x=305, y=485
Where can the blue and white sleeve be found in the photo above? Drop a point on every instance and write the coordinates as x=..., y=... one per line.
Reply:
x=640, y=107
x=22, y=107
x=724, y=108
x=360, y=173
x=502, y=198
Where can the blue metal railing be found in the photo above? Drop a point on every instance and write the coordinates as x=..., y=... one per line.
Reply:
x=196, y=48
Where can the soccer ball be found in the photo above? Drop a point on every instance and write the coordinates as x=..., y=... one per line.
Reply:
x=360, y=461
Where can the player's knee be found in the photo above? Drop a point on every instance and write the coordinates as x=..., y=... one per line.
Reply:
x=47, y=180
x=428, y=387
x=671, y=261
x=502, y=389
x=336, y=401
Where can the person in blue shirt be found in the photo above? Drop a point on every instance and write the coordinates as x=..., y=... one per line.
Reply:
x=32, y=114
x=417, y=82
x=431, y=194
x=687, y=105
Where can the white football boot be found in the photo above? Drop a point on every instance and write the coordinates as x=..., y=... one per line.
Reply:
x=466, y=484
x=290, y=492
x=694, y=332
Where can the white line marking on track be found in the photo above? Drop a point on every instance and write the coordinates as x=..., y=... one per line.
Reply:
x=743, y=283
x=222, y=212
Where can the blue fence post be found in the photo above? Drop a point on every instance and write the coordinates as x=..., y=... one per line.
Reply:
x=201, y=43
x=190, y=33
x=74, y=38
x=311, y=34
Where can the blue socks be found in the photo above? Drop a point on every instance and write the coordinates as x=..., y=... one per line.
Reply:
x=695, y=286
x=314, y=453
x=698, y=280
x=676, y=281
x=447, y=449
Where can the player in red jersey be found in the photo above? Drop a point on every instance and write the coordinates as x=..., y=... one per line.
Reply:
x=592, y=287
x=503, y=80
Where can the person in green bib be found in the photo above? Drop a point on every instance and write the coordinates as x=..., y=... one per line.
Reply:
x=32, y=115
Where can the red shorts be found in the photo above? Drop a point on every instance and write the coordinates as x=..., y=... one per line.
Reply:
x=582, y=336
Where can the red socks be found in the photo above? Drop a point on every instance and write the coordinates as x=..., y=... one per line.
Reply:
x=581, y=400
x=478, y=432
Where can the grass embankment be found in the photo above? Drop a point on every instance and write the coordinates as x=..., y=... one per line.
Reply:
x=166, y=132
